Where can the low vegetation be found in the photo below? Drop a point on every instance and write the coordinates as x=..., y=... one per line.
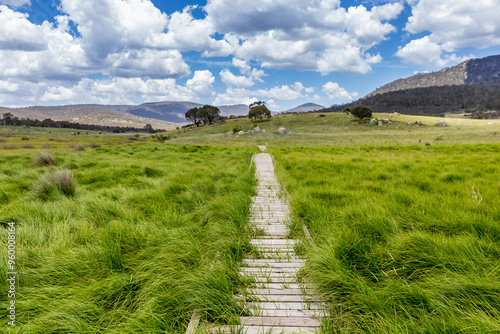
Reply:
x=407, y=238
x=126, y=239
x=131, y=235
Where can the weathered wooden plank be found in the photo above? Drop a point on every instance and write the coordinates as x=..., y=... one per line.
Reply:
x=287, y=313
x=287, y=298
x=287, y=305
x=281, y=321
x=280, y=291
x=276, y=330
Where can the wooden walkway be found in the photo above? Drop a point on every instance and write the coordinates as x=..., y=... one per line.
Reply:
x=277, y=302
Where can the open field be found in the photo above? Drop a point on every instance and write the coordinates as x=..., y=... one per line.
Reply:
x=407, y=238
x=407, y=235
x=151, y=233
x=338, y=129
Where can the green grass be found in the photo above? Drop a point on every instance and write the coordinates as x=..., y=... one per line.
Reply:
x=151, y=233
x=407, y=238
x=407, y=235
x=339, y=129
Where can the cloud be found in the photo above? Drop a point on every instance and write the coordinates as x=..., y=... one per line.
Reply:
x=456, y=24
x=239, y=81
x=148, y=63
x=424, y=52
x=235, y=95
x=112, y=26
x=335, y=92
x=15, y=3
x=306, y=35
x=19, y=34
x=8, y=87
x=123, y=90
x=452, y=25
x=201, y=84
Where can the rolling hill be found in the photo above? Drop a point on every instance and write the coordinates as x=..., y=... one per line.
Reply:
x=89, y=114
x=469, y=72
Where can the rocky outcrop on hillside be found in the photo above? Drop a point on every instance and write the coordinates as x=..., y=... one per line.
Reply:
x=470, y=71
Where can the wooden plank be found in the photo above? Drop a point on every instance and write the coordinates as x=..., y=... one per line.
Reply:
x=264, y=262
x=281, y=321
x=287, y=313
x=280, y=285
x=280, y=291
x=287, y=298
x=287, y=306
x=193, y=323
x=267, y=271
x=276, y=330
x=273, y=242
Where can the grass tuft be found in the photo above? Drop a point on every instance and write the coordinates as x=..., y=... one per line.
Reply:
x=56, y=182
x=45, y=159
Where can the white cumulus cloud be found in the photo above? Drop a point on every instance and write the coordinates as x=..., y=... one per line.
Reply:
x=451, y=25
x=424, y=52
x=306, y=35
x=335, y=92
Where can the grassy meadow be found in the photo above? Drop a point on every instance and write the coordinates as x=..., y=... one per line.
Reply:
x=149, y=234
x=407, y=239
x=120, y=234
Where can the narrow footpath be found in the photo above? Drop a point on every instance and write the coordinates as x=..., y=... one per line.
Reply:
x=277, y=302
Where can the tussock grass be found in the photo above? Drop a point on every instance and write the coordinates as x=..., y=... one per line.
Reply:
x=407, y=238
x=78, y=147
x=56, y=182
x=44, y=159
x=153, y=233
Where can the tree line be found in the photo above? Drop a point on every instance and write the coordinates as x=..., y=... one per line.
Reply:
x=209, y=114
x=10, y=119
x=470, y=98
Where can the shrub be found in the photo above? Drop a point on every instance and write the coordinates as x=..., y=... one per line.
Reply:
x=160, y=137
x=361, y=111
x=44, y=159
x=237, y=129
x=56, y=182
x=94, y=145
x=25, y=138
x=78, y=147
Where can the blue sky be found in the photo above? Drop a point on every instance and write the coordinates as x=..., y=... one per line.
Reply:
x=285, y=52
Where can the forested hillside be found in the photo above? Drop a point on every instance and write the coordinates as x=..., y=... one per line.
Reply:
x=469, y=98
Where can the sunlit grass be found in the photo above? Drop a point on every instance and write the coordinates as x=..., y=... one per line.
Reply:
x=151, y=233
x=407, y=238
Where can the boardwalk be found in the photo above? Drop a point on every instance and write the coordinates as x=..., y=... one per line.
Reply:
x=277, y=302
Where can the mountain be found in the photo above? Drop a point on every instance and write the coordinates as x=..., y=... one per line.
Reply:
x=472, y=87
x=469, y=72
x=169, y=111
x=172, y=111
x=89, y=114
x=161, y=115
x=236, y=110
x=305, y=108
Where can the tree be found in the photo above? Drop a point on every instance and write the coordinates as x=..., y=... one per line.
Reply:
x=149, y=128
x=258, y=110
x=7, y=118
x=361, y=111
x=192, y=115
x=208, y=113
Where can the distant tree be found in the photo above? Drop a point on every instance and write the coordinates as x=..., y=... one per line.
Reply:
x=192, y=115
x=149, y=128
x=7, y=118
x=208, y=113
x=347, y=110
x=258, y=110
x=361, y=111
